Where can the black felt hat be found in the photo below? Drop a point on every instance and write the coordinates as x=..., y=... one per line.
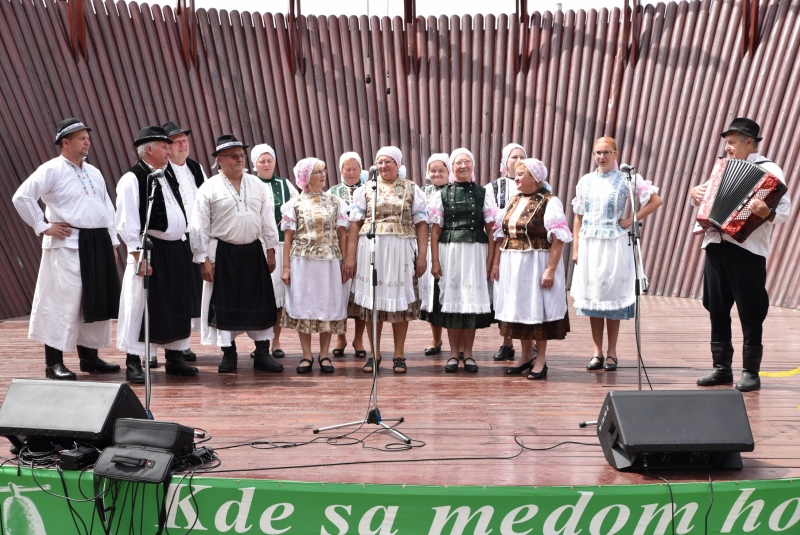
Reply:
x=745, y=126
x=227, y=141
x=173, y=129
x=151, y=133
x=68, y=126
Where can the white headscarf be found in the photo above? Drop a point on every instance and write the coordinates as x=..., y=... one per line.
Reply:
x=506, y=153
x=258, y=150
x=454, y=155
x=351, y=156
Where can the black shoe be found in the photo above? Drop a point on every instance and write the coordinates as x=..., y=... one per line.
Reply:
x=189, y=355
x=326, y=368
x=596, y=363
x=748, y=382
x=433, y=350
x=59, y=372
x=473, y=367
x=751, y=356
x=610, y=366
x=538, y=376
x=263, y=360
x=279, y=354
x=452, y=365
x=229, y=359
x=153, y=362
x=370, y=365
x=176, y=366
x=133, y=370
x=504, y=353
x=519, y=370
x=718, y=376
x=91, y=362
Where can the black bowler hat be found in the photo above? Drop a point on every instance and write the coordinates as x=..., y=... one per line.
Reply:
x=68, y=126
x=227, y=141
x=151, y=133
x=173, y=129
x=744, y=126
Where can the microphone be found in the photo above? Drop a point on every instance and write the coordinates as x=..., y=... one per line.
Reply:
x=369, y=78
x=158, y=173
x=625, y=168
x=373, y=172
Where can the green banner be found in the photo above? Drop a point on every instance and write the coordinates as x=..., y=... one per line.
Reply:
x=34, y=502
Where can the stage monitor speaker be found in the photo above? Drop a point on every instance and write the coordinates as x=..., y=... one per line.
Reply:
x=674, y=430
x=65, y=411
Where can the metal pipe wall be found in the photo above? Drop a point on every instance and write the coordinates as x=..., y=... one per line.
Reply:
x=571, y=81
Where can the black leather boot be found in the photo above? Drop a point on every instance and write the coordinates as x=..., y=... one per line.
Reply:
x=133, y=369
x=153, y=361
x=229, y=359
x=54, y=359
x=91, y=362
x=189, y=355
x=176, y=366
x=751, y=358
x=263, y=360
x=722, y=356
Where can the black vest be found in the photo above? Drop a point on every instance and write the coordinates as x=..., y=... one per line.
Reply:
x=158, y=216
x=194, y=167
x=463, y=213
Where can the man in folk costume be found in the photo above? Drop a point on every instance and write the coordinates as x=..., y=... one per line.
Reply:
x=189, y=175
x=233, y=223
x=77, y=291
x=170, y=266
x=737, y=272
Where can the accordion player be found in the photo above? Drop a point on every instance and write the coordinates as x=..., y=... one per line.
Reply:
x=733, y=185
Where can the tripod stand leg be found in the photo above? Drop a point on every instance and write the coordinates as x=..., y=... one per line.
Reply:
x=338, y=426
x=397, y=433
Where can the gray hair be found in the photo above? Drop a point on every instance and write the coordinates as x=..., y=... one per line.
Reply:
x=141, y=150
x=743, y=138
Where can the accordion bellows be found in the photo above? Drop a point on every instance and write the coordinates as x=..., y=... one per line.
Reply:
x=733, y=186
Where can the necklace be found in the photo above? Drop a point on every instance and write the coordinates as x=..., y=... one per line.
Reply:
x=83, y=177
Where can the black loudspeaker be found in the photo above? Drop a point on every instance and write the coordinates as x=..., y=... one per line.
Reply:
x=674, y=430
x=65, y=411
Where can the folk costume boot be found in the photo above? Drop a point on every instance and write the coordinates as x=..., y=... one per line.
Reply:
x=175, y=364
x=751, y=357
x=263, y=360
x=91, y=362
x=229, y=357
x=722, y=356
x=133, y=369
x=54, y=360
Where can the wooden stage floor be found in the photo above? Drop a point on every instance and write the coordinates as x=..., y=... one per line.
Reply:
x=467, y=421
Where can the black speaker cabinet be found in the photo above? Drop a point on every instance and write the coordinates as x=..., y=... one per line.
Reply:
x=65, y=411
x=674, y=429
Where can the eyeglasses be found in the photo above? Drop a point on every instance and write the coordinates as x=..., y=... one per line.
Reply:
x=233, y=156
x=320, y=172
x=603, y=152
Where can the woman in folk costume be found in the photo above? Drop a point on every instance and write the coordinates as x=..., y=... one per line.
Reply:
x=280, y=191
x=530, y=288
x=315, y=229
x=401, y=227
x=603, y=279
x=462, y=215
x=352, y=176
x=503, y=189
x=438, y=171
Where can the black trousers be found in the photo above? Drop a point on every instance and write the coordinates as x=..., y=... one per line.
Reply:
x=735, y=275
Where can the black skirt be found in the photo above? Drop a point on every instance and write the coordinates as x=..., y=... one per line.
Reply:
x=99, y=276
x=197, y=282
x=170, y=298
x=242, y=298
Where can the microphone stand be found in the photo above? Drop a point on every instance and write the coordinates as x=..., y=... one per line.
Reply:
x=374, y=414
x=144, y=255
x=641, y=284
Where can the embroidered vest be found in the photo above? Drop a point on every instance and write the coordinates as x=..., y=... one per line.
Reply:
x=523, y=224
x=500, y=188
x=280, y=196
x=315, y=235
x=158, y=215
x=393, y=210
x=463, y=213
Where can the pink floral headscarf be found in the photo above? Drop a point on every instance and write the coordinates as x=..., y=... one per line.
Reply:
x=302, y=171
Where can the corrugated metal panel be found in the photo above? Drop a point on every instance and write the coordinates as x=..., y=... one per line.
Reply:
x=577, y=82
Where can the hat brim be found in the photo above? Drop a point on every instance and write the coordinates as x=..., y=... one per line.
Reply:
x=748, y=134
x=148, y=139
x=176, y=132
x=214, y=154
x=62, y=136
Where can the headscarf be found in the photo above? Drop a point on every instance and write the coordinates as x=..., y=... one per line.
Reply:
x=455, y=154
x=538, y=171
x=506, y=153
x=391, y=151
x=258, y=150
x=439, y=157
x=350, y=156
x=302, y=171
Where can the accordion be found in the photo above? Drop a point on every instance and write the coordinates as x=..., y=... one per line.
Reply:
x=733, y=186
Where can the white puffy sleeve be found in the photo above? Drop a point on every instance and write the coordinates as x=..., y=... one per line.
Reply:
x=200, y=225
x=556, y=222
x=358, y=210
x=577, y=202
x=289, y=216
x=419, y=206
x=644, y=188
x=292, y=190
x=269, y=230
x=26, y=199
x=342, y=220
x=129, y=225
x=436, y=209
x=498, y=223
x=489, y=208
